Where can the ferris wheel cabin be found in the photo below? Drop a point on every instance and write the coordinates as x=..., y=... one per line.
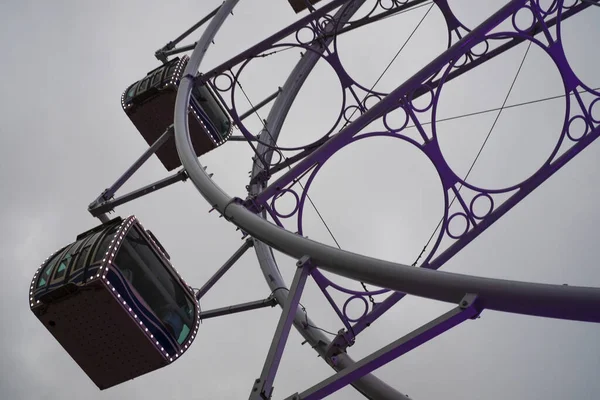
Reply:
x=115, y=303
x=301, y=5
x=150, y=104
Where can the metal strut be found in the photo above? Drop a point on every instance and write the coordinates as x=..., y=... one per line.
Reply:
x=152, y=187
x=109, y=192
x=169, y=48
x=263, y=386
x=228, y=264
x=467, y=309
x=237, y=308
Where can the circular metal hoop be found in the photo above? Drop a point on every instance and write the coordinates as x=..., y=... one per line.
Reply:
x=556, y=301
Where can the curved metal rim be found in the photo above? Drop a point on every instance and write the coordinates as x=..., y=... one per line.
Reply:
x=369, y=385
x=555, y=301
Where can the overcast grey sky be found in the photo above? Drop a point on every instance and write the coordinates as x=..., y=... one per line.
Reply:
x=64, y=138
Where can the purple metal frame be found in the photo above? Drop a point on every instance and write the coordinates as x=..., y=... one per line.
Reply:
x=457, y=60
x=467, y=309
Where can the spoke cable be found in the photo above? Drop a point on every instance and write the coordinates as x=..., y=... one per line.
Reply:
x=500, y=109
x=370, y=90
x=371, y=299
x=391, y=62
x=526, y=103
x=478, y=153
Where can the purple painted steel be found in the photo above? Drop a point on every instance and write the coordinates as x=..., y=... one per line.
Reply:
x=264, y=385
x=431, y=148
x=317, y=273
x=449, y=320
x=320, y=30
x=225, y=70
x=461, y=58
x=527, y=188
x=391, y=100
x=323, y=283
x=268, y=42
x=524, y=189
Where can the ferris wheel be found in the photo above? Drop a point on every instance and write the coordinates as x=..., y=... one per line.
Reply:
x=184, y=111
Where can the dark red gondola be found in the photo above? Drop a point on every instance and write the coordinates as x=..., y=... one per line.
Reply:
x=114, y=302
x=150, y=104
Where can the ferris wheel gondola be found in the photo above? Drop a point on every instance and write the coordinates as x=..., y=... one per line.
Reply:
x=150, y=102
x=115, y=303
x=77, y=286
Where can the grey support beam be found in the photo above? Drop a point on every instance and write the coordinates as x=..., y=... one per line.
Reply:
x=263, y=386
x=152, y=187
x=228, y=264
x=251, y=305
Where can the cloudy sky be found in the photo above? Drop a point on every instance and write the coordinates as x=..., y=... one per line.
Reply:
x=64, y=138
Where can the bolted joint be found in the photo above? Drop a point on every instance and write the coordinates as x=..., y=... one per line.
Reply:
x=234, y=200
x=252, y=206
x=260, y=178
x=470, y=301
x=303, y=262
x=160, y=54
x=100, y=199
x=339, y=344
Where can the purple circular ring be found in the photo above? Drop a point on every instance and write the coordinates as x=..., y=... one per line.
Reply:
x=551, y=10
x=348, y=302
x=591, y=108
x=514, y=20
x=348, y=115
x=278, y=196
x=429, y=104
x=471, y=205
x=386, y=124
x=453, y=236
x=576, y=138
x=223, y=75
x=314, y=35
x=486, y=48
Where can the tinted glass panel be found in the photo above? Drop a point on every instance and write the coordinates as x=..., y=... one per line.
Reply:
x=148, y=275
x=47, y=272
x=100, y=252
x=213, y=110
x=82, y=257
x=130, y=92
x=83, y=253
x=62, y=266
x=156, y=77
x=143, y=86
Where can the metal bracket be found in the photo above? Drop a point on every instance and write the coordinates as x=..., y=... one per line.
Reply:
x=169, y=49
